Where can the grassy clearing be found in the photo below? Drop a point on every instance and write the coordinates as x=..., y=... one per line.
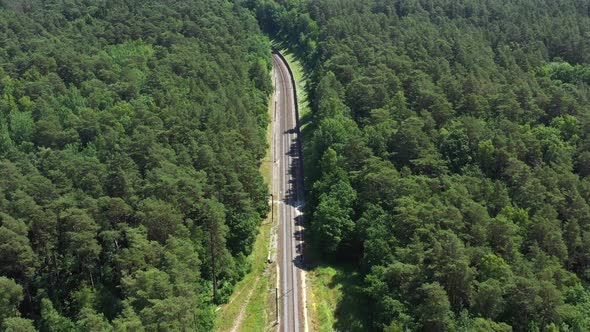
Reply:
x=334, y=299
x=259, y=314
x=300, y=82
x=261, y=302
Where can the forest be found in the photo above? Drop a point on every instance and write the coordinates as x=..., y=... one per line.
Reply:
x=131, y=134
x=448, y=156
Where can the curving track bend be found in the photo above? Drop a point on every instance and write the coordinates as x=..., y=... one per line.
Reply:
x=287, y=192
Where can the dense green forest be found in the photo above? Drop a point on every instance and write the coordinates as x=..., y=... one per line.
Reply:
x=131, y=133
x=448, y=156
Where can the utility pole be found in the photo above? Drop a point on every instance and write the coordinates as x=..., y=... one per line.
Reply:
x=276, y=92
x=277, y=305
x=272, y=208
x=275, y=117
x=274, y=138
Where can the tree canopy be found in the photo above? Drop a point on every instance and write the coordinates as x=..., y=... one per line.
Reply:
x=131, y=134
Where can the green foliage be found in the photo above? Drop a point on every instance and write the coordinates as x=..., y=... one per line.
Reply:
x=22, y=126
x=18, y=259
x=333, y=224
x=434, y=312
x=160, y=219
x=89, y=320
x=10, y=298
x=131, y=134
x=128, y=321
x=52, y=320
x=18, y=324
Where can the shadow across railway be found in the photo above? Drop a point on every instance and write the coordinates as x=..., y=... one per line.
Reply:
x=294, y=198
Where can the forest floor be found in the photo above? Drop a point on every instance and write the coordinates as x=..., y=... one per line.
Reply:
x=251, y=307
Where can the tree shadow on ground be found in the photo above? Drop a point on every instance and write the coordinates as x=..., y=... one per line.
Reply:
x=296, y=54
x=352, y=310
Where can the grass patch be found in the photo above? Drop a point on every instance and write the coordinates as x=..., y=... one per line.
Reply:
x=260, y=312
x=335, y=301
x=300, y=84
